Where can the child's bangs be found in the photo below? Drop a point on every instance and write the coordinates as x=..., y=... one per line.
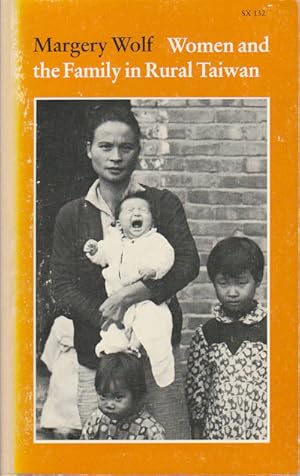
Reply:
x=111, y=382
x=234, y=255
x=234, y=264
x=120, y=371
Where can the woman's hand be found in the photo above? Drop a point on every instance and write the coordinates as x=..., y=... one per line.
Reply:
x=114, y=307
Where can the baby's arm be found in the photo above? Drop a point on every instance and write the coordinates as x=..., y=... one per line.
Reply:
x=90, y=247
x=159, y=258
x=95, y=252
x=172, y=223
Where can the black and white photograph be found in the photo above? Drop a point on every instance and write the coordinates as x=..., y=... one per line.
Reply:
x=152, y=270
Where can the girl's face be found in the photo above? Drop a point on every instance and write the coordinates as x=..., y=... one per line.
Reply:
x=117, y=403
x=114, y=152
x=236, y=294
x=135, y=217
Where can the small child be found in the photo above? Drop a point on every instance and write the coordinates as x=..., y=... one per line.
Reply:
x=121, y=415
x=226, y=386
x=130, y=252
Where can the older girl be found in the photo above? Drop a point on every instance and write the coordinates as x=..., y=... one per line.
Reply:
x=227, y=376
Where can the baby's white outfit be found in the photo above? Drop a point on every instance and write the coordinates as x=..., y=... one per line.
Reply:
x=151, y=323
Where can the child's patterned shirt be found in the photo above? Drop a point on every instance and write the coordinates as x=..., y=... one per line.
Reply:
x=140, y=426
x=226, y=386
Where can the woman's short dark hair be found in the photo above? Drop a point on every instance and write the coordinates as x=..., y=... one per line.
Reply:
x=121, y=369
x=234, y=255
x=100, y=114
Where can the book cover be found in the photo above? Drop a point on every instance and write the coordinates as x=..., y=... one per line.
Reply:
x=213, y=87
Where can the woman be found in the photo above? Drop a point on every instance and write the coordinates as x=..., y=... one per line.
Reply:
x=113, y=146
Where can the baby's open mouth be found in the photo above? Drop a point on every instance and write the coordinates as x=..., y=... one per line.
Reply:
x=136, y=223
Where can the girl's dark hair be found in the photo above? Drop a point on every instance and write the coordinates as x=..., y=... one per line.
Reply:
x=141, y=195
x=121, y=369
x=234, y=255
x=100, y=114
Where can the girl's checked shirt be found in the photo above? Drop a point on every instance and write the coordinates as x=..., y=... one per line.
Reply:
x=226, y=386
x=140, y=426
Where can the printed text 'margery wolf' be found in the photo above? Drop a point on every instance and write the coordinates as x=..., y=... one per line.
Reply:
x=142, y=44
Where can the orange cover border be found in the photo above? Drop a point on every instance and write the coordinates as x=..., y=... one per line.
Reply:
x=91, y=20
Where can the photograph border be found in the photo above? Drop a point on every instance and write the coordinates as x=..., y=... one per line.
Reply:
x=267, y=265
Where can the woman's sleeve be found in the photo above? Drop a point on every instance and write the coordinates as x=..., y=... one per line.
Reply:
x=198, y=378
x=176, y=230
x=69, y=297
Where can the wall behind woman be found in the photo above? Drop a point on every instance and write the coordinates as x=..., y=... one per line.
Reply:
x=211, y=152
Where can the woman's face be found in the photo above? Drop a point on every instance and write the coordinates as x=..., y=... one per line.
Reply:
x=114, y=152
